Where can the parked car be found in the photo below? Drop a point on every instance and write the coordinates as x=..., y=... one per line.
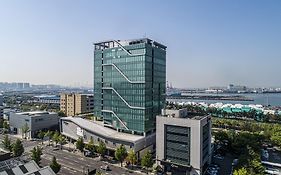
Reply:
x=213, y=169
x=105, y=167
x=88, y=153
x=55, y=149
x=218, y=156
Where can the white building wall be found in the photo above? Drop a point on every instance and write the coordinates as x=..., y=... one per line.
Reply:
x=196, y=139
x=75, y=130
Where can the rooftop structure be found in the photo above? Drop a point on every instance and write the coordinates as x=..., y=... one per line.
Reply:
x=181, y=113
x=121, y=43
x=18, y=168
x=35, y=113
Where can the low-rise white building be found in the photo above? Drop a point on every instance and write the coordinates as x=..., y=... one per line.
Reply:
x=75, y=127
x=36, y=121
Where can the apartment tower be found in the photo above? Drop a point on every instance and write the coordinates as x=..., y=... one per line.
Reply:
x=74, y=104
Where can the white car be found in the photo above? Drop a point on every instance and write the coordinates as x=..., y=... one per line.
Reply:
x=105, y=167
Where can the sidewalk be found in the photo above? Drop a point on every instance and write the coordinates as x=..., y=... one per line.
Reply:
x=71, y=148
x=117, y=164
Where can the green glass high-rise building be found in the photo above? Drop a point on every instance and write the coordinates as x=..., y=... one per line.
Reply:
x=129, y=84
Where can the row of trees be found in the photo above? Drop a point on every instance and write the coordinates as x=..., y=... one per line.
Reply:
x=16, y=148
x=245, y=144
x=36, y=153
x=121, y=154
x=130, y=157
x=55, y=136
x=271, y=132
x=33, y=106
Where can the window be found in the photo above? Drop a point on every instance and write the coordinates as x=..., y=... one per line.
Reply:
x=39, y=119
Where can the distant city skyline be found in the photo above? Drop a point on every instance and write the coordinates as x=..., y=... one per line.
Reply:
x=208, y=43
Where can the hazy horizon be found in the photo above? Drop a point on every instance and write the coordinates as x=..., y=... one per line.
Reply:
x=212, y=43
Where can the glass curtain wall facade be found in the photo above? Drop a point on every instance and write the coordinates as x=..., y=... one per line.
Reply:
x=129, y=84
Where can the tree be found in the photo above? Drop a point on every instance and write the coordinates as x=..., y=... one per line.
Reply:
x=132, y=157
x=43, y=107
x=101, y=149
x=36, y=153
x=221, y=136
x=55, y=166
x=241, y=171
x=256, y=167
x=25, y=130
x=48, y=134
x=99, y=173
x=1, y=123
x=80, y=144
x=6, y=126
x=55, y=138
x=121, y=154
x=90, y=146
x=61, y=140
x=41, y=135
x=7, y=143
x=276, y=138
x=18, y=148
x=61, y=114
x=147, y=160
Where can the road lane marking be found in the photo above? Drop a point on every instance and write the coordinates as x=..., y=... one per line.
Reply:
x=65, y=165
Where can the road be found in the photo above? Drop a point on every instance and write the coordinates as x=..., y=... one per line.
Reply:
x=76, y=163
x=71, y=163
x=225, y=164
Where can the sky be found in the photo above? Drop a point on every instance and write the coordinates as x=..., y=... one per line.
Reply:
x=209, y=43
